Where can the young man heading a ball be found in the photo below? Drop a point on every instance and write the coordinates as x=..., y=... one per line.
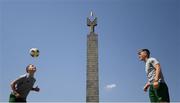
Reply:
x=23, y=85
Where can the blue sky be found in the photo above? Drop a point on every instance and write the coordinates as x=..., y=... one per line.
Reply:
x=58, y=28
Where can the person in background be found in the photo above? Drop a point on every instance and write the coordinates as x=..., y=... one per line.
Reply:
x=158, y=90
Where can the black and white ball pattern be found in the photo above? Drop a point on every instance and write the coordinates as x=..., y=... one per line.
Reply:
x=34, y=52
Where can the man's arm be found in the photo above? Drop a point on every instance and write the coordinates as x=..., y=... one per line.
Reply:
x=146, y=86
x=157, y=75
x=157, y=72
x=13, y=87
x=35, y=89
x=14, y=83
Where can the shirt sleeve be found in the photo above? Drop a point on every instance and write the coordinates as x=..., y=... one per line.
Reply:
x=154, y=61
x=19, y=80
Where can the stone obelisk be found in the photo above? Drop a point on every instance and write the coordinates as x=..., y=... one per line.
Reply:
x=92, y=83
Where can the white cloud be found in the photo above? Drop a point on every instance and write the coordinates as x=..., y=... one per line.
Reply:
x=110, y=86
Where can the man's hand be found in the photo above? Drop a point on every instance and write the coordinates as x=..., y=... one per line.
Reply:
x=146, y=86
x=36, y=89
x=17, y=94
x=156, y=84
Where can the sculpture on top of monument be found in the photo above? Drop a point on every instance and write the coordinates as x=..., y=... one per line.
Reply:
x=91, y=22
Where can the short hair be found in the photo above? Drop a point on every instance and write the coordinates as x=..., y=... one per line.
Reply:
x=29, y=66
x=145, y=50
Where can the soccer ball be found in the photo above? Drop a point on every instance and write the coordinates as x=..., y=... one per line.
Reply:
x=34, y=52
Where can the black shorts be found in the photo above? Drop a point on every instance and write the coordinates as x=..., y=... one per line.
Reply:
x=160, y=94
x=13, y=98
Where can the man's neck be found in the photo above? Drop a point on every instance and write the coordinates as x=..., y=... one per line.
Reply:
x=30, y=75
x=145, y=60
